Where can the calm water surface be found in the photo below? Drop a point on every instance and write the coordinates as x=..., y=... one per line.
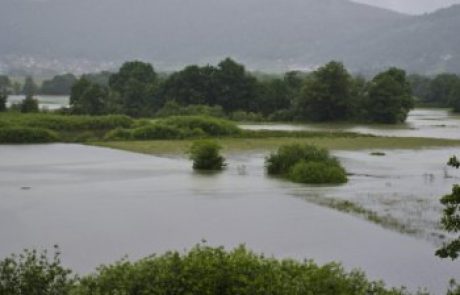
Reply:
x=434, y=123
x=100, y=204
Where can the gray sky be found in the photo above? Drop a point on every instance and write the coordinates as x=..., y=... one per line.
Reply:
x=411, y=6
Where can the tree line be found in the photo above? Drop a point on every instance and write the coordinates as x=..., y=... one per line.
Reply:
x=330, y=93
x=442, y=90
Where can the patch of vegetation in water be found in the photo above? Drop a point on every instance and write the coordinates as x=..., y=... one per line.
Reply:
x=306, y=164
x=378, y=154
x=349, y=207
x=205, y=156
x=201, y=270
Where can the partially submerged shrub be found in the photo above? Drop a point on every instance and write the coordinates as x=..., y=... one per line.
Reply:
x=211, y=126
x=205, y=155
x=157, y=131
x=305, y=164
x=317, y=173
x=26, y=135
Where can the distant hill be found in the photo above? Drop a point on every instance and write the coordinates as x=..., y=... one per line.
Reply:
x=265, y=34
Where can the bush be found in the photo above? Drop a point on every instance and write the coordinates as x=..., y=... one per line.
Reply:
x=172, y=108
x=205, y=155
x=305, y=164
x=157, y=131
x=317, y=173
x=34, y=273
x=26, y=135
x=242, y=116
x=211, y=126
x=206, y=270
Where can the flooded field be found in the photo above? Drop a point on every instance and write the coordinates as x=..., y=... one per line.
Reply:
x=433, y=123
x=49, y=102
x=100, y=204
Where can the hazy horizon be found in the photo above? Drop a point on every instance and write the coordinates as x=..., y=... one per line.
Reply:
x=411, y=6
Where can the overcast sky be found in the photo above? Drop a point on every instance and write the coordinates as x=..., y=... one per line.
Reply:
x=411, y=6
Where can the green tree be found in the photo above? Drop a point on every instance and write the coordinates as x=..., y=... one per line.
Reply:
x=205, y=155
x=29, y=88
x=326, y=94
x=420, y=86
x=440, y=89
x=235, y=88
x=29, y=105
x=89, y=98
x=451, y=218
x=389, y=98
x=136, y=84
x=274, y=95
x=59, y=85
x=454, y=97
x=5, y=85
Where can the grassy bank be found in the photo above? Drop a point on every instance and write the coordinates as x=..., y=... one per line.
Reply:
x=174, y=147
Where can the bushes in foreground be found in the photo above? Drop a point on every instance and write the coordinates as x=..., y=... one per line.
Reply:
x=202, y=270
x=27, y=135
x=306, y=164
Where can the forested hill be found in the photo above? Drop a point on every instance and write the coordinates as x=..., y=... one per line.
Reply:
x=265, y=34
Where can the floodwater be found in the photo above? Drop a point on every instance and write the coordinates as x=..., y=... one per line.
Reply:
x=48, y=102
x=433, y=123
x=100, y=204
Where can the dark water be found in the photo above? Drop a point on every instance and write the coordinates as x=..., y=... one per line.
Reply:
x=100, y=204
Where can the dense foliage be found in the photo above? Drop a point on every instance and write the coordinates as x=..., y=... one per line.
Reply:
x=27, y=135
x=58, y=85
x=34, y=273
x=205, y=155
x=202, y=270
x=5, y=85
x=228, y=89
x=442, y=90
x=306, y=164
x=451, y=218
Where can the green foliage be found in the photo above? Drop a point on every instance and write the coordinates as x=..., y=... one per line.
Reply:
x=451, y=218
x=34, y=273
x=389, y=97
x=305, y=164
x=5, y=85
x=29, y=105
x=172, y=108
x=156, y=131
x=326, y=94
x=59, y=85
x=317, y=173
x=205, y=155
x=242, y=116
x=27, y=135
x=89, y=98
x=210, y=126
x=29, y=88
x=206, y=270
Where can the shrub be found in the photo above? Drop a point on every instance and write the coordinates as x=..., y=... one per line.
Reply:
x=206, y=270
x=317, y=173
x=118, y=134
x=305, y=164
x=242, y=116
x=172, y=108
x=211, y=126
x=26, y=135
x=205, y=155
x=34, y=273
x=157, y=131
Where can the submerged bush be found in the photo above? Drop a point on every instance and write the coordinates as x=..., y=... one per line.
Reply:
x=157, y=131
x=317, y=173
x=26, y=135
x=205, y=155
x=305, y=164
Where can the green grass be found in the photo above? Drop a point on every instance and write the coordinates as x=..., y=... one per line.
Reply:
x=174, y=147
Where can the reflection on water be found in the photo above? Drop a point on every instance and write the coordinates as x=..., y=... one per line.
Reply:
x=49, y=102
x=100, y=204
x=433, y=123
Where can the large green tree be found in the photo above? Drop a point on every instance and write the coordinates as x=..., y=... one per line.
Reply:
x=389, y=97
x=440, y=89
x=5, y=85
x=136, y=84
x=29, y=88
x=235, y=88
x=326, y=94
x=59, y=85
x=451, y=218
x=89, y=98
